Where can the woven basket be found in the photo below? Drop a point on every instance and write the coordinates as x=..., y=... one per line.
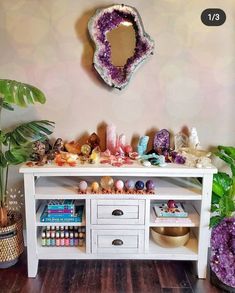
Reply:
x=11, y=238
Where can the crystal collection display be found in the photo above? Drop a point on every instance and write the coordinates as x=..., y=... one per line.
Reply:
x=108, y=185
x=119, y=153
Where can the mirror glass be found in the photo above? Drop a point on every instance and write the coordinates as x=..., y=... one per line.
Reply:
x=122, y=40
x=121, y=43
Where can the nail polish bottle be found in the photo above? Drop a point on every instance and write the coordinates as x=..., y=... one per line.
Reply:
x=66, y=240
x=48, y=238
x=57, y=239
x=62, y=238
x=43, y=235
x=76, y=239
x=52, y=238
x=71, y=240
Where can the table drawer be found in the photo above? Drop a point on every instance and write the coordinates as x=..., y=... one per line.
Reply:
x=117, y=241
x=117, y=212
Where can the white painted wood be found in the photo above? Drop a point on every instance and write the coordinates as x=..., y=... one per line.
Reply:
x=31, y=228
x=204, y=232
x=132, y=241
x=171, y=170
x=102, y=211
x=66, y=187
x=192, y=215
x=172, y=182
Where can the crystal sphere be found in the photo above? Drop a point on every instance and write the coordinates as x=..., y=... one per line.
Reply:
x=119, y=184
x=95, y=186
x=129, y=184
x=82, y=185
x=86, y=149
x=106, y=182
x=171, y=204
x=139, y=185
x=150, y=185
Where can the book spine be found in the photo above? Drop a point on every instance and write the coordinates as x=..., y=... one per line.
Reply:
x=65, y=211
x=61, y=220
x=60, y=207
x=56, y=216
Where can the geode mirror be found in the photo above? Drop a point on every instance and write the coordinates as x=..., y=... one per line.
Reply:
x=121, y=44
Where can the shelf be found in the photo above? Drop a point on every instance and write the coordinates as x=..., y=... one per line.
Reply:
x=136, y=169
x=187, y=252
x=192, y=215
x=54, y=252
x=66, y=188
x=40, y=224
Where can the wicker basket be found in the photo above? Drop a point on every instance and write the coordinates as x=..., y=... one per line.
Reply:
x=11, y=238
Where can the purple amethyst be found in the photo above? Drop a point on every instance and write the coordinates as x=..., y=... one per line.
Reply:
x=106, y=20
x=150, y=185
x=161, y=140
x=222, y=251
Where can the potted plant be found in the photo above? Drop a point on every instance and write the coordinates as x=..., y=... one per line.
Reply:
x=222, y=261
x=15, y=148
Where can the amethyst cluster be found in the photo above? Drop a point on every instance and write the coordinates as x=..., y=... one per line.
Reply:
x=106, y=20
x=223, y=251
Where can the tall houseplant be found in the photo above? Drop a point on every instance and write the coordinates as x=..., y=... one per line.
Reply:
x=223, y=223
x=16, y=144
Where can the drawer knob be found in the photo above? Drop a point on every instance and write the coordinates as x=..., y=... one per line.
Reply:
x=117, y=213
x=117, y=242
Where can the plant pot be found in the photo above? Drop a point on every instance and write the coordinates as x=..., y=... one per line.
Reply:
x=11, y=240
x=216, y=282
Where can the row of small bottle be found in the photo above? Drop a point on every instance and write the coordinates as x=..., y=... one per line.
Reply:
x=66, y=237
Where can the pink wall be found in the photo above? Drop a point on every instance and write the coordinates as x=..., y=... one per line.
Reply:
x=189, y=81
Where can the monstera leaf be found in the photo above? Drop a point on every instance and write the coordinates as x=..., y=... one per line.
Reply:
x=30, y=132
x=222, y=183
x=20, y=94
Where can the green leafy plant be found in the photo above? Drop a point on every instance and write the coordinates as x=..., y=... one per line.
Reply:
x=223, y=189
x=16, y=144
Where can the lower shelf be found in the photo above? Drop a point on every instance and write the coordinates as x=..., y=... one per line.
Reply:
x=187, y=252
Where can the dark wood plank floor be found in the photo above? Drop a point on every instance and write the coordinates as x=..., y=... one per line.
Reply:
x=106, y=276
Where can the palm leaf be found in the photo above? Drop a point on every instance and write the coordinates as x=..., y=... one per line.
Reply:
x=21, y=94
x=30, y=132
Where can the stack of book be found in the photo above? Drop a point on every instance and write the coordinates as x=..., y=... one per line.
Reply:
x=164, y=215
x=62, y=211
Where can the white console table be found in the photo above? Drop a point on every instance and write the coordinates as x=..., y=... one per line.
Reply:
x=193, y=186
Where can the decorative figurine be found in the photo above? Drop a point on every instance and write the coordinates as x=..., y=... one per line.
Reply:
x=95, y=187
x=129, y=185
x=139, y=185
x=161, y=140
x=193, y=139
x=150, y=186
x=73, y=147
x=82, y=187
x=86, y=150
x=142, y=145
x=106, y=183
x=119, y=184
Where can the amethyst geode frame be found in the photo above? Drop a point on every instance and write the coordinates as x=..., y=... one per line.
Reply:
x=103, y=22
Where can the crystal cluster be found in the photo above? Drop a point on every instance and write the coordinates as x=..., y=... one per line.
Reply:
x=223, y=251
x=106, y=20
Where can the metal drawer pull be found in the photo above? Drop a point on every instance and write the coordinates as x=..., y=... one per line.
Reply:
x=117, y=242
x=117, y=213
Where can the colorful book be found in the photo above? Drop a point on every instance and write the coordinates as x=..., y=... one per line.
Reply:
x=60, y=204
x=77, y=217
x=64, y=211
x=162, y=210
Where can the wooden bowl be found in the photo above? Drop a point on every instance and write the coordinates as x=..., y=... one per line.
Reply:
x=170, y=236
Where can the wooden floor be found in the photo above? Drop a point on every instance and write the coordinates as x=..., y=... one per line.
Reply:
x=106, y=276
